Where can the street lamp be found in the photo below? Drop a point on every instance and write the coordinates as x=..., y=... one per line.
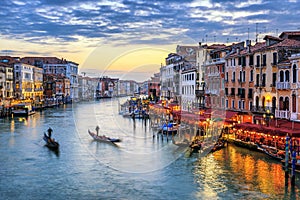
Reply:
x=268, y=117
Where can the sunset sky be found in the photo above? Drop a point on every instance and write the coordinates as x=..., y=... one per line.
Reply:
x=130, y=38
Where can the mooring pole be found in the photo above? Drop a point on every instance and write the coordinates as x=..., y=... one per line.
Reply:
x=286, y=166
x=293, y=168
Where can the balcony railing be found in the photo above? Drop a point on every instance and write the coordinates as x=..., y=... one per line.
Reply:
x=285, y=114
x=199, y=93
x=215, y=61
x=283, y=85
x=263, y=109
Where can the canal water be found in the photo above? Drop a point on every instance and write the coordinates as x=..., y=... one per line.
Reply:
x=140, y=167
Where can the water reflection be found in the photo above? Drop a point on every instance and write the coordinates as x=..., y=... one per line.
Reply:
x=249, y=173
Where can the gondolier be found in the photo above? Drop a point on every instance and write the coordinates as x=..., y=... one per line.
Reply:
x=97, y=129
x=50, y=132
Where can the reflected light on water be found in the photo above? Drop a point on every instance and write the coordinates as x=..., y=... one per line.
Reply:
x=245, y=170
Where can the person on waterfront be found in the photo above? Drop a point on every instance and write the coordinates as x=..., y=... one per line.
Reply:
x=97, y=129
x=50, y=132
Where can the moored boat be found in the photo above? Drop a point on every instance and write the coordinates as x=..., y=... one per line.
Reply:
x=103, y=138
x=50, y=142
x=219, y=145
x=22, y=109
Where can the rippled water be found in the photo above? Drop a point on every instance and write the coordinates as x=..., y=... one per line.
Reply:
x=140, y=167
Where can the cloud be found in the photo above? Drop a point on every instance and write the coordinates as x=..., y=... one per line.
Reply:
x=140, y=22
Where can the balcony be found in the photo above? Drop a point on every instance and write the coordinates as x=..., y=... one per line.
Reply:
x=199, y=93
x=274, y=64
x=283, y=85
x=215, y=61
x=284, y=114
x=214, y=74
x=263, y=109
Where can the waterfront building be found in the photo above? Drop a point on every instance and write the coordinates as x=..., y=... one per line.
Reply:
x=38, y=90
x=288, y=85
x=203, y=61
x=23, y=81
x=87, y=87
x=2, y=80
x=7, y=69
x=53, y=65
x=214, y=69
x=57, y=86
x=153, y=87
x=166, y=78
x=188, y=85
x=107, y=87
x=239, y=80
x=272, y=76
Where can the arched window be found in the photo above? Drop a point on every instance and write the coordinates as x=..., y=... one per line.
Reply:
x=294, y=73
x=263, y=102
x=281, y=104
x=281, y=76
x=294, y=103
x=256, y=102
x=286, y=104
x=287, y=76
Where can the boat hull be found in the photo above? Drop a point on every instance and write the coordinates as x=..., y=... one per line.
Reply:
x=103, y=138
x=50, y=143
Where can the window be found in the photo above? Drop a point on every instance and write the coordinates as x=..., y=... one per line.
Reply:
x=286, y=104
x=240, y=104
x=226, y=91
x=274, y=58
x=294, y=73
x=251, y=75
x=232, y=91
x=250, y=93
x=281, y=103
x=244, y=61
x=263, y=84
x=294, y=103
x=250, y=105
x=251, y=60
x=226, y=103
x=274, y=79
x=287, y=76
x=264, y=61
x=244, y=76
x=281, y=76
x=257, y=61
x=240, y=76
x=232, y=104
x=233, y=76
x=257, y=80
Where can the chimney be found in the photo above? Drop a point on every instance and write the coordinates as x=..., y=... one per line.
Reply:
x=248, y=45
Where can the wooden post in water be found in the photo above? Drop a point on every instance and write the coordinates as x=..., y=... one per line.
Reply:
x=293, y=168
x=286, y=168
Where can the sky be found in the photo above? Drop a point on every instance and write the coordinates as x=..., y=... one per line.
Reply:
x=130, y=39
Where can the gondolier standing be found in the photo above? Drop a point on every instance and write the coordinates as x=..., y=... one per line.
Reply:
x=97, y=129
x=49, y=132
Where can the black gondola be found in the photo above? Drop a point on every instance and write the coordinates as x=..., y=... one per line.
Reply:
x=50, y=142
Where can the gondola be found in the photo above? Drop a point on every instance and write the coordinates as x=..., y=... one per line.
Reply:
x=51, y=143
x=103, y=138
